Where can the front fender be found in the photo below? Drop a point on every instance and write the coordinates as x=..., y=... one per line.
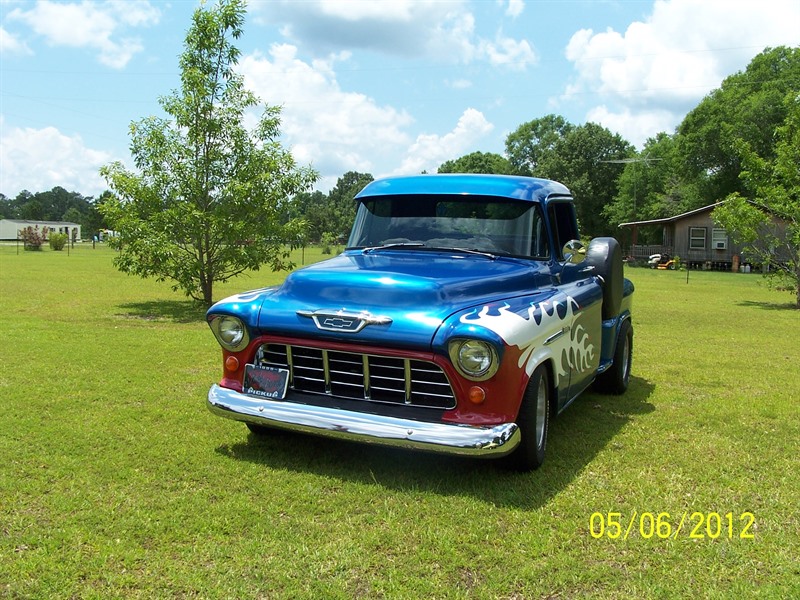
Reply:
x=526, y=332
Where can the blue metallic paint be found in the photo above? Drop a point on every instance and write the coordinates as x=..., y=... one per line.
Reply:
x=422, y=300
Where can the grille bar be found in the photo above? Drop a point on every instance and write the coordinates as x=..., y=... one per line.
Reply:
x=359, y=376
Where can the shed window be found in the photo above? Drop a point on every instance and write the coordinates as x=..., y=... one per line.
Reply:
x=697, y=238
x=719, y=239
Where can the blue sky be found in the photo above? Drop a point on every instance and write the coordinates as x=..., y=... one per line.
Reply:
x=370, y=86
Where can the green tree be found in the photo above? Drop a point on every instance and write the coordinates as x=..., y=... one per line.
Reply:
x=73, y=215
x=650, y=187
x=311, y=209
x=479, y=162
x=94, y=220
x=6, y=209
x=581, y=160
x=767, y=217
x=206, y=201
x=577, y=156
x=28, y=207
x=534, y=141
x=341, y=209
x=748, y=107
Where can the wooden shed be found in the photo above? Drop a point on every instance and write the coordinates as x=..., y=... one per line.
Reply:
x=693, y=236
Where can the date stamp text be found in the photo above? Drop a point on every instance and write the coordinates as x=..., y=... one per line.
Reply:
x=695, y=525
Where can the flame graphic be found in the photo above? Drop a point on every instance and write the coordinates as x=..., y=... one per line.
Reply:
x=545, y=319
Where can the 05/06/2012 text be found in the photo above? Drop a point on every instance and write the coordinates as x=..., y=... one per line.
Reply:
x=663, y=525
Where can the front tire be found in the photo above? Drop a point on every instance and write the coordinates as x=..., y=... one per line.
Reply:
x=533, y=420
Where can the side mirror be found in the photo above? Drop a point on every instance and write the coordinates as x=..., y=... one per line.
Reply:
x=574, y=252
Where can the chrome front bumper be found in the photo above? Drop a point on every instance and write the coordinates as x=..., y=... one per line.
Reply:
x=445, y=438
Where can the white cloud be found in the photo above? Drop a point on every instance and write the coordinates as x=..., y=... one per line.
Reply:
x=438, y=31
x=643, y=80
x=508, y=52
x=429, y=151
x=339, y=131
x=635, y=127
x=514, y=8
x=10, y=44
x=90, y=25
x=458, y=84
x=40, y=159
x=681, y=51
x=336, y=130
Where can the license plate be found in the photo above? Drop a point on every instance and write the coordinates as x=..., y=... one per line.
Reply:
x=267, y=382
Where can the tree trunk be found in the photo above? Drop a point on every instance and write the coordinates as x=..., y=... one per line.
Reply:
x=207, y=294
x=797, y=279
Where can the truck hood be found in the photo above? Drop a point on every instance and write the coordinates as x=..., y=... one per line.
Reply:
x=392, y=298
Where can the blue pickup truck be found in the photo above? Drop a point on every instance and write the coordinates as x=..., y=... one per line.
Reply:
x=462, y=316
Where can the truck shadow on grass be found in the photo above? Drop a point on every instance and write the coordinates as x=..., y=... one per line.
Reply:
x=575, y=439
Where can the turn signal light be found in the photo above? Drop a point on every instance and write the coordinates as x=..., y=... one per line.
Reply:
x=477, y=395
x=231, y=364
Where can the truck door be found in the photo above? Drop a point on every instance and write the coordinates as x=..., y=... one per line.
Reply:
x=580, y=343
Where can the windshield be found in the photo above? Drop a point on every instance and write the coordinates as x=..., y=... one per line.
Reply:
x=492, y=225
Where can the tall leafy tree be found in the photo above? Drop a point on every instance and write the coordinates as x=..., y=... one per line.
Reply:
x=581, y=160
x=577, y=156
x=479, y=162
x=206, y=199
x=341, y=209
x=767, y=216
x=748, y=107
x=533, y=142
x=650, y=186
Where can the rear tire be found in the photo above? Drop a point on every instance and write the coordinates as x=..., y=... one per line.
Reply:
x=615, y=380
x=533, y=420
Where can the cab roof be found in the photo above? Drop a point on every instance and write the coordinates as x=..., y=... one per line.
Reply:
x=462, y=184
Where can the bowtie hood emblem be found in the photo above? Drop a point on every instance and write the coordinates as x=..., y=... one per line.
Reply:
x=343, y=320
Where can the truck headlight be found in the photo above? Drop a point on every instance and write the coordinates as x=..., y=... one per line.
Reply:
x=231, y=332
x=474, y=359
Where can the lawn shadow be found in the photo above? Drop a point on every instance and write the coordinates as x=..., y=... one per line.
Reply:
x=177, y=311
x=576, y=437
x=768, y=305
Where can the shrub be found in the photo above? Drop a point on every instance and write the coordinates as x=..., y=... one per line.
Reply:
x=58, y=241
x=328, y=239
x=32, y=237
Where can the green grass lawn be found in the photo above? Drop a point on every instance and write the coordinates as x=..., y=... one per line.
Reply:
x=115, y=481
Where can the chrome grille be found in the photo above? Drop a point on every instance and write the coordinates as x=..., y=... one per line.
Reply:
x=360, y=376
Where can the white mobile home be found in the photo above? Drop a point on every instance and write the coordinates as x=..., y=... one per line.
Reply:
x=10, y=228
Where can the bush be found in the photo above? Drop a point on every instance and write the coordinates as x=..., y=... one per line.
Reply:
x=58, y=241
x=328, y=239
x=32, y=237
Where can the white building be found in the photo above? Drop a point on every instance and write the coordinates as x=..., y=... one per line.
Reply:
x=10, y=228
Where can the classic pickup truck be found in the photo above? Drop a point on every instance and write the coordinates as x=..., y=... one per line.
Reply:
x=462, y=315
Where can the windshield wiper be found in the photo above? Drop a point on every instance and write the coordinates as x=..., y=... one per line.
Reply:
x=395, y=245
x=489, y=255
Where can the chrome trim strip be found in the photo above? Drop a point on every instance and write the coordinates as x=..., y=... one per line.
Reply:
x=343, y=320
x=365, y=370
x=446, y=438
x=326, y=370
x=407, y=377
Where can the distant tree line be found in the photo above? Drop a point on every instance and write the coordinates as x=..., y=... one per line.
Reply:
x=708, y=158
x=697, y=165
x=56, y=205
